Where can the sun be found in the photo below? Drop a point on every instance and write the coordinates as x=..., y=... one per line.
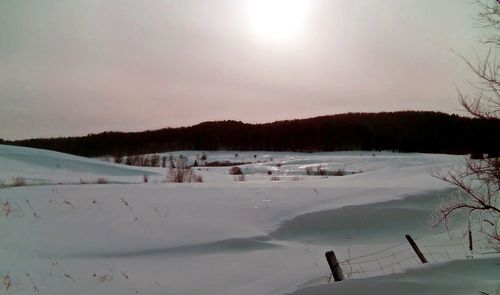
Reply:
x=277, y=20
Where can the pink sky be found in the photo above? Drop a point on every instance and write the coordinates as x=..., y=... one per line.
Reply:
x=75, y=67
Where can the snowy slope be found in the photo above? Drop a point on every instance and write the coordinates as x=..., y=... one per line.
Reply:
x=37, y=166
x=216, y=237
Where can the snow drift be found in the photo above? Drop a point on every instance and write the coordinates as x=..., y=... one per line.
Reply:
x=220, y=236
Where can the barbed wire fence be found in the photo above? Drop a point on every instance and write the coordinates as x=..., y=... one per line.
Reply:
x=401, y=256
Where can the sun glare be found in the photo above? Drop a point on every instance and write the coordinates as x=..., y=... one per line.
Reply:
x=277, y=20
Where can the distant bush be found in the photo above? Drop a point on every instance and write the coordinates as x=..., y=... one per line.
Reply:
x=118, y=158
x=142, y=160
x=269, y=172
x=145, y=178
x=182, y=162
x=235, y=170
x=275, y=178
x=296, y=178
x=18, y=181
x=240, y=177
x=224, y=163
x=7, y=209
x=340, y=172
x=309, y=170
x=320, y=171
x=279, y=165
x=102, y=180
x=180, y=175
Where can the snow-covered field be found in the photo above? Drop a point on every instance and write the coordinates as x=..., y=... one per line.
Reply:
x=63, y=233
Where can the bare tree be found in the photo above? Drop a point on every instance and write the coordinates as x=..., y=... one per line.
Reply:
x=485, y=102
x=479, y=196
x=479, y=179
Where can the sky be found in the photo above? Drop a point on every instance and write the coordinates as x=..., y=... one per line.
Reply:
x=70, y=68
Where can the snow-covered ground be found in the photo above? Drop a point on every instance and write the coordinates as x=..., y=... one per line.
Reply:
x=62, y=233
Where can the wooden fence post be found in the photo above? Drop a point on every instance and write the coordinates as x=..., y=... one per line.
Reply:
x=337, y=273
x=470, y=241
x=416, y=249
x=471, y=246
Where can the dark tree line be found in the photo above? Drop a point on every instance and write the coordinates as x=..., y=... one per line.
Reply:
x=407, y=131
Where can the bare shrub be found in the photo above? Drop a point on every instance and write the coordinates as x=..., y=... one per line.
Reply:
x=240, y=177
x=339, y=172
x=143, y=160
x=321, y=171
x=235, y=170
x=269, y=172
x=7, y=282
x=309, y=170
x=18, y=181
x=279, y=165
x=118, y=158
x=275, y=178
x=182, y=162
x=154, y=161
x=180, y=175
x=102, y=180
x=7, y=209
x=145, y=178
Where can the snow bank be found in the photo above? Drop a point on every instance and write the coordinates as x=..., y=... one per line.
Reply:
x=456, y=277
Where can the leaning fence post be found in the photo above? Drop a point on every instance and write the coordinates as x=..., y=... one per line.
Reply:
x=416, y=249
x=337, y=273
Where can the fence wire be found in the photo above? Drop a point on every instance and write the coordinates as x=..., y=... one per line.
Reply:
x=399, y=257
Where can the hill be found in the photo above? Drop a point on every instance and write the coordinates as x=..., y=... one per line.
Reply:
x=405, y=131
